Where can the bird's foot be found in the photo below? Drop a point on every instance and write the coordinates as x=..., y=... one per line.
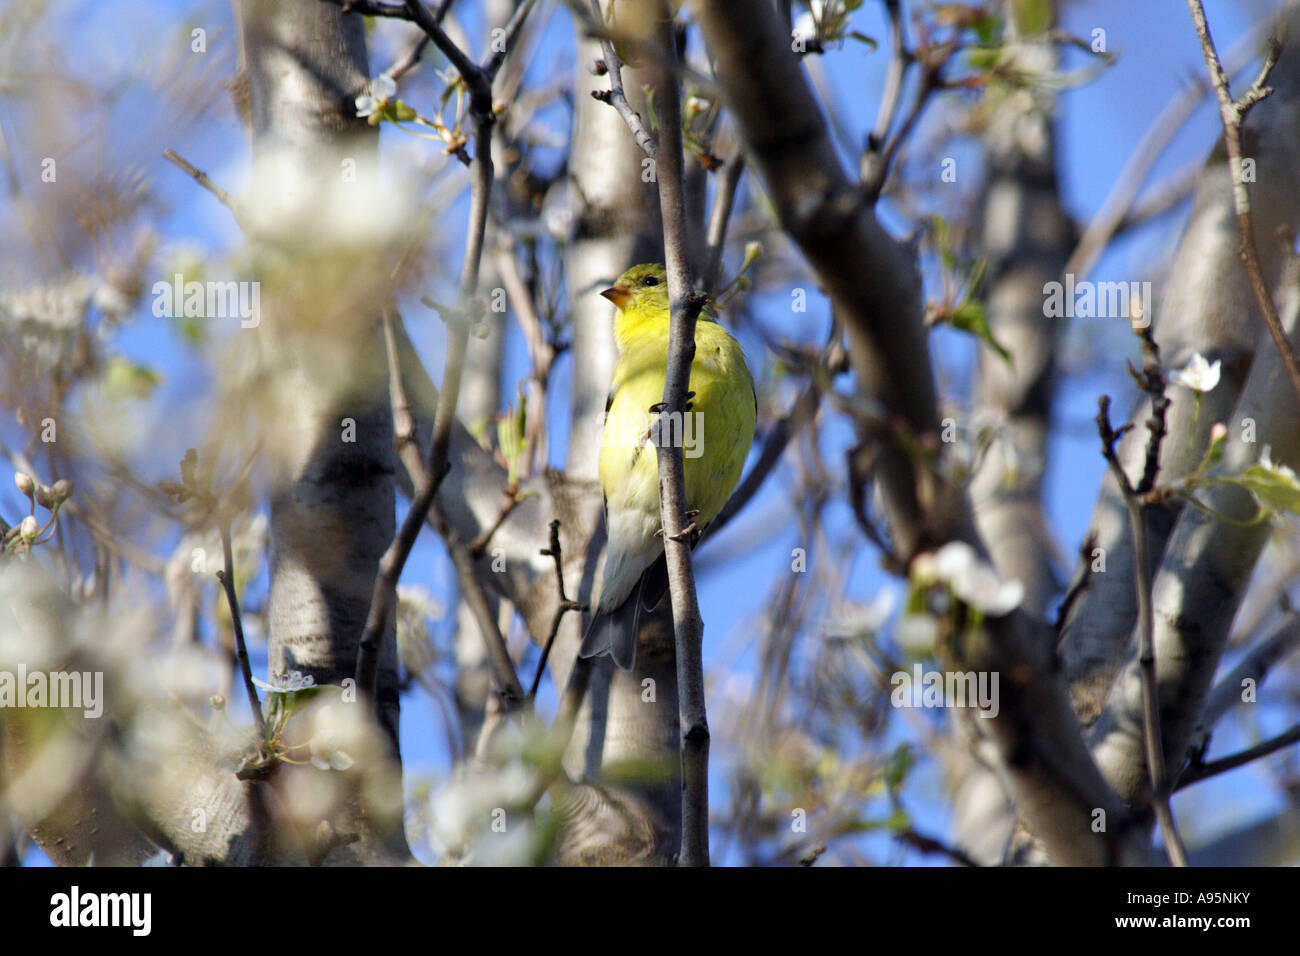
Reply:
x=690, y=530
x=658, y=408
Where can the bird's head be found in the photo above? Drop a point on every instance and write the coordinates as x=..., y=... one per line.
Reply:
x=643, y=287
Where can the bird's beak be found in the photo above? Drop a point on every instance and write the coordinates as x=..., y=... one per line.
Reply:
x=620, y=295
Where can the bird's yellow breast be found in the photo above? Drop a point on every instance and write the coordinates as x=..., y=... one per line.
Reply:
x=715, y=434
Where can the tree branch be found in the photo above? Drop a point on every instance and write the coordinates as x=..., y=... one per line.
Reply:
x=615, y=96
x=1198, y=772
x=561, y=609
x=204, y=180
x=1160, y=785
x=722, y=202
x=227, y=578
x=687, y=624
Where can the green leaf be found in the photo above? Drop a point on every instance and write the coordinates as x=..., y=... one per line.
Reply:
x=900, y=764
x=970, y=317
x=943, y=242
x=1276, y=491
x=511, y=431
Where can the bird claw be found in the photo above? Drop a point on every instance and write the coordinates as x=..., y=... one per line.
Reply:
x=685, y=533
x=658, y=407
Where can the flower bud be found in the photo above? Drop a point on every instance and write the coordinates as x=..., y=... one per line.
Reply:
x=1219, y=432
x=217, y=702
x=24, y=482
x=44, y=497
x=29, y=529
x=62, y=490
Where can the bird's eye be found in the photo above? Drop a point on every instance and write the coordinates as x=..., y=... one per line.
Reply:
x=650, y=280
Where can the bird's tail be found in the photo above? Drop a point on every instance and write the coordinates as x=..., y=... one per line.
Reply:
x=615, y=631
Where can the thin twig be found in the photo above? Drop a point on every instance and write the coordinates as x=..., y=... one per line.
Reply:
x=509, y=690
x=478, y=547
x=899, y=59
x=1152, y=381
x=877, y=163
x=616, y=97
x=1160, y=784
x=1198, y=772
x=410, y=60
x=204, y=180
x=1115, y=215
x=469, y=71
x=928, y=844
x=512, y=28
x=719, y=218
x=688, y=627
x=1232, y=113
x=405, y=440
x=1282, y=641
x=561, y=609
x=227, y=578
x=1160, y=200
x=861, y=460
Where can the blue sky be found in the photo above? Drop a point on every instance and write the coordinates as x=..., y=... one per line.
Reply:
x=1100, y=125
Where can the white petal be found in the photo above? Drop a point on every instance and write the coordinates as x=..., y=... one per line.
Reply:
x=954, y=561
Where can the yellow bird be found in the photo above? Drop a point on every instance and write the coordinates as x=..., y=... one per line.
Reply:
x=715, y=435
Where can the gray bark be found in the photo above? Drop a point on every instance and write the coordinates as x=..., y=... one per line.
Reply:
x=332, y=498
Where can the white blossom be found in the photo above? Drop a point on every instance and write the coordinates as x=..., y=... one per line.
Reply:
x=805, y=24
x=382, y=89
x=974, y=581
x=1199, y=375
